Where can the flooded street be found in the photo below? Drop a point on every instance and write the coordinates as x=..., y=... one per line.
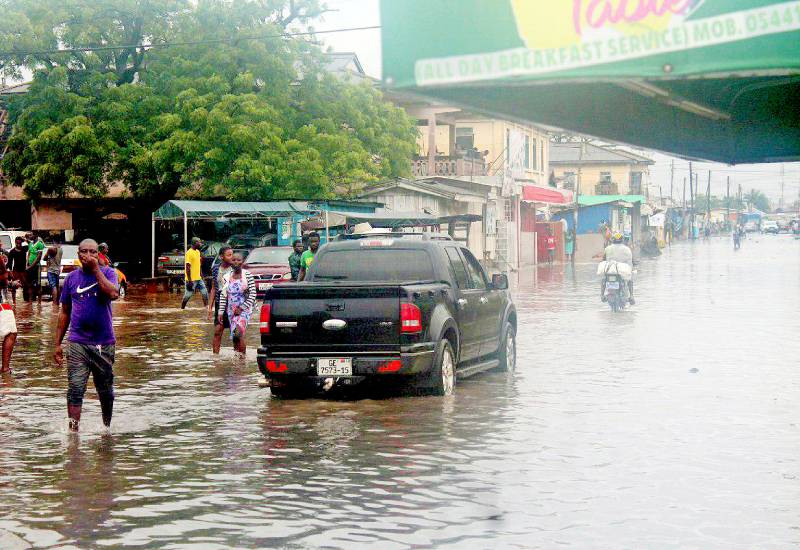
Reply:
x=673, y=424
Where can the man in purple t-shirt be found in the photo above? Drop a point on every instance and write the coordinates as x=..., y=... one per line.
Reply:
x=86, y=309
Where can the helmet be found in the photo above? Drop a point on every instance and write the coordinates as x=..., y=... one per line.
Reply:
x=617, y=237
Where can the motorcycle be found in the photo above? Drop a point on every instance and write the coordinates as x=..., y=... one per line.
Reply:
x=615, y=283
x=615, y=292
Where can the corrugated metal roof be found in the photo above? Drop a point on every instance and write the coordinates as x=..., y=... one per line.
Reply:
x=175, y=209
x=570, y=153
x=593, y=200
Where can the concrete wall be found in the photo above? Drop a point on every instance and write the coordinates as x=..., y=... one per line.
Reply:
x=588, y=246
x=45, y=216
x=527, y=251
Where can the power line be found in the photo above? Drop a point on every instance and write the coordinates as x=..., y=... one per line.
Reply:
x=186, y=43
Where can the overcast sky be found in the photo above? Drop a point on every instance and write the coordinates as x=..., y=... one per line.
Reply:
x=766, y=177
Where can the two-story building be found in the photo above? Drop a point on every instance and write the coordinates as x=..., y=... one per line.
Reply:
x=503, y=162
x=600, y=170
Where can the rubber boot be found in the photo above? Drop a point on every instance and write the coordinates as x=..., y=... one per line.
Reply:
x=74, y=413
x=107, y=408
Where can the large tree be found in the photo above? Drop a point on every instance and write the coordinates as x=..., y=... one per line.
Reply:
x=758, y=200
x=230, y=108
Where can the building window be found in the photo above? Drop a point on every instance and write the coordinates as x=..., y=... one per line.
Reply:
x=636, y=183
x=465, y=139
x=508, y=210
x=528, y=152
x=605, y=177
x=533, y=155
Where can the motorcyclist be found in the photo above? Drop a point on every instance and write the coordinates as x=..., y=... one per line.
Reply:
x=618, y=251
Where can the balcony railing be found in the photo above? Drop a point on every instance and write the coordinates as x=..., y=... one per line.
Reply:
x=606, y=188
x=449, y=166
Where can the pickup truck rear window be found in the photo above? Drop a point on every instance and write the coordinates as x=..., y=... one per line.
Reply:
x=376, y=264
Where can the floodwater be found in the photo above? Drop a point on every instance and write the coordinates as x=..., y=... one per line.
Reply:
x=673, y=424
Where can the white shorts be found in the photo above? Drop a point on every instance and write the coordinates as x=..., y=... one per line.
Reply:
x=8, y=323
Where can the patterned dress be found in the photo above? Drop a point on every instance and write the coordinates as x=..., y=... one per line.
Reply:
x=237, y=295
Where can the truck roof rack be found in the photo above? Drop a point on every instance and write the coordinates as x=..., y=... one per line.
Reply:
x=397, y=235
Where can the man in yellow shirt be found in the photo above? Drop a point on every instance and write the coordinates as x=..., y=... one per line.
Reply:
x=194, y=279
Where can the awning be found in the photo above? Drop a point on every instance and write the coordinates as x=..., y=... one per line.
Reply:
x=211, y=210
x=594, y=200
x=546, y=195
x=710, y=79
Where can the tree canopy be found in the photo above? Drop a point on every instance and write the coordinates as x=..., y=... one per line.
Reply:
x=758, y=200
x=215, y=114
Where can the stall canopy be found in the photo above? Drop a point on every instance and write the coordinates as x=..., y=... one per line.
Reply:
x=546, y=195
x=209, y=210
x=710, y=79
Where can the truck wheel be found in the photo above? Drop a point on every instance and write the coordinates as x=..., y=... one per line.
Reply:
x=507, y=353
x=443, y=379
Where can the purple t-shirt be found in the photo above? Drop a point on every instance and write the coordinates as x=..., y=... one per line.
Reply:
x=90, y=322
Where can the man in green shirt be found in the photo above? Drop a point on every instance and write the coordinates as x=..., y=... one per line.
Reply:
x=295, y=257
x=33, y=281
x=308, y=256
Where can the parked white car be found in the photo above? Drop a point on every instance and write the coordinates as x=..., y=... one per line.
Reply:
x=69, y=262
x=769, y=226
x=7, y=238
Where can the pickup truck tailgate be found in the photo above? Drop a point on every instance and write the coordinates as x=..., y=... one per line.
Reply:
x=371, y=317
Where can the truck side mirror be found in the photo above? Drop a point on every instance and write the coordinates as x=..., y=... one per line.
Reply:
x=500, y=281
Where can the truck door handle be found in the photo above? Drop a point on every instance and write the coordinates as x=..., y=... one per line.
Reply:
x=484, y=299
x=462, y=303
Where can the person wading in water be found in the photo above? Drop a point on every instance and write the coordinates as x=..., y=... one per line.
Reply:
x=238, y=300
x=86, y=310
x=218, y=273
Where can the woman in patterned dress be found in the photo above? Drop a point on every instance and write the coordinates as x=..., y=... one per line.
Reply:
x=238, y=300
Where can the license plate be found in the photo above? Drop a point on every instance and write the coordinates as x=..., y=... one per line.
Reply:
x=612, y=285
x=335, y=367
x=264, y=286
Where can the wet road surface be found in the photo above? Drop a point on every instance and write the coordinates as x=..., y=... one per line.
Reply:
x=673, y=424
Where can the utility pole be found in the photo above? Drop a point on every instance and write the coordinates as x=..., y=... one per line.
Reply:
x=684, y=193
x=577, y=204
x=780, y=204
x=739, y=206
x=728, y=203
x=671, y=178
x=691, y=202
x=708, y=198
x=683, y=210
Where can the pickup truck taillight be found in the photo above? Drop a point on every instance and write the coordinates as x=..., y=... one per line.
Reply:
x=410, y=318
x=266, y=310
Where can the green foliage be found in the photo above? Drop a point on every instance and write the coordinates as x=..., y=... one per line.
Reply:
x=758, y=200
x=719, y=202
x=241, y=119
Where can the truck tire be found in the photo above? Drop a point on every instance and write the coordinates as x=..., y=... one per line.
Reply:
x=507, y=352
x=443, y=375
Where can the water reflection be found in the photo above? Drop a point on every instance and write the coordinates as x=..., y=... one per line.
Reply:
x=670, y=424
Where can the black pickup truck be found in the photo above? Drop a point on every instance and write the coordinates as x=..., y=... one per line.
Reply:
x=394, y=310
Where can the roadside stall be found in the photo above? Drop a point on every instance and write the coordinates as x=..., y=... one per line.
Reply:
x=213, y=211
